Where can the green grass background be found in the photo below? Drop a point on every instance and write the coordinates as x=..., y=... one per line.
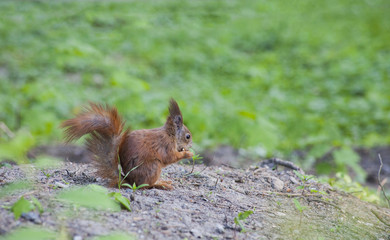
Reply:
x=267, y=76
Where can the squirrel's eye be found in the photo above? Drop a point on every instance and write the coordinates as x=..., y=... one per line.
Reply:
x=188, y=136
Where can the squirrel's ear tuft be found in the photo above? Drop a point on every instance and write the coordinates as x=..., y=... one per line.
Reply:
x=175, y=113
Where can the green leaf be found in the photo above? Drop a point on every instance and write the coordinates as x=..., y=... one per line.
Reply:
x=9, y=189
x=127, y=185
x=31, y=233
x=300, y=175
x=120, y=183
x=125, y=202
x=91, y=196
x=239, y=223
x=196, y=157
x=116, y=236
x=43, y=162
x=307, y=178
x=21, y=206
x=241, y=217
x=37, y=204
x=246, y=114
x=97, y=188
x=142, y=185
x=244, y=215
x=298, y=205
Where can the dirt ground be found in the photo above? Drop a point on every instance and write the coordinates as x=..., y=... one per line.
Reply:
x=202, y=205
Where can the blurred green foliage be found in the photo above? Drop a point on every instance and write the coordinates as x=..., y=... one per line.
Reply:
x=344, y=182
x=271, y=75
x=32, y=233
x=14, y=187
x=24, y=206
x=116, y=236
x=90, y=196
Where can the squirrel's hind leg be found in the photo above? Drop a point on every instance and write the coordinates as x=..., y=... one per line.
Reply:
x=161, y=184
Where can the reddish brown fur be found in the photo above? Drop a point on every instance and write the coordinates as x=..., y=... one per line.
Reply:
x=149, y=150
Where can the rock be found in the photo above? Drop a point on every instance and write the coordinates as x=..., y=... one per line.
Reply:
x=61, y=185
x=77, y=237
x=277, y=184
x=293, y=180
x=220, y=229
x=239, y=180
x=196, y=233
x=32, y=216
x=187, y=220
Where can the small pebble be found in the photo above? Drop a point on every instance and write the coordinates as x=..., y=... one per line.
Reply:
x=32, y=216
x=196, y=233
x=277, y=184
x=61, y=185
x=293, y=180
x=239, y=180
x=220, y=229
x=77, y=237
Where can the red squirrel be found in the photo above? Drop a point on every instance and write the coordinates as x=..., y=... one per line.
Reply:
x=146, y=151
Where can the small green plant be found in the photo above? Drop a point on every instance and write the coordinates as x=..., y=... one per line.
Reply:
x=194, y=159
x=304, y=178
x=65, y=182
x=345, y=183
x=317, y=191
x=208, y=196
x=125, y=202
x=298, y=205
x=135, y=187
x=300, y=208
x=241, y=217
x=157, y=210
x=24, y=206
x=48, y=175
x=120, y=181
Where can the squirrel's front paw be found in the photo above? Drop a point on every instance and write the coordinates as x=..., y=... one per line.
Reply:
x=188, y=154
x=183, y=155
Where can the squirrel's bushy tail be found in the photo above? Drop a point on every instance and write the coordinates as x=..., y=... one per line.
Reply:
x=105, y=129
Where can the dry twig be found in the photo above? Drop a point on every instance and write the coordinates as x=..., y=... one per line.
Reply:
x=280, y=162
